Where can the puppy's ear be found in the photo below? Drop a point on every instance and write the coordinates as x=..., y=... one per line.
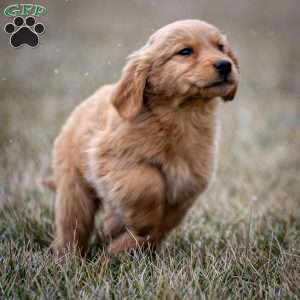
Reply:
x=230, y=96
x=129, y=93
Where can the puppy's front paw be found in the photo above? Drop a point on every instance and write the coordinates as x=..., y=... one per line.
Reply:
x=58, y=249
x=124, y=243
x=61, y=249
x=112, y=228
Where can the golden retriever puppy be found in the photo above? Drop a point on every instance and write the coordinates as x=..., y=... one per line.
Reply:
x=143, y=149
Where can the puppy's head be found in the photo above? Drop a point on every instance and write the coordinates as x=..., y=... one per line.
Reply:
x=182, y=61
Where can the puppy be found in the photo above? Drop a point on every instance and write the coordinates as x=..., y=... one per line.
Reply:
x=143, y=149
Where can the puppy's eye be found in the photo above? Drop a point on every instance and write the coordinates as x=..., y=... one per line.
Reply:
x=185, y=52
x=221, y=47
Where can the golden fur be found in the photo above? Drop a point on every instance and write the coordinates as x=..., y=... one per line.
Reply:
x=143, y=149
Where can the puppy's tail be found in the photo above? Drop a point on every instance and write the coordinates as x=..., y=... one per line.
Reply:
x=50, y=183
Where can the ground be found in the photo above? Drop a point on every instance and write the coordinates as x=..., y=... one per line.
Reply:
x=242, y=238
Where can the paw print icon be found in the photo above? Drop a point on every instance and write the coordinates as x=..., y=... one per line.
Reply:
x=24, y=32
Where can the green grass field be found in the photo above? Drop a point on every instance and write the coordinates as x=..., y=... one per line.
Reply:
x=242, y=238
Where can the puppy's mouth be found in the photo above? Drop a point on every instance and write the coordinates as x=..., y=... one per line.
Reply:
x=219, y=83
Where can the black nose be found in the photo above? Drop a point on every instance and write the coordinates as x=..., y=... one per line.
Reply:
x=223, y=66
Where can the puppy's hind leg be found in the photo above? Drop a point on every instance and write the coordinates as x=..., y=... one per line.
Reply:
x=75, y=209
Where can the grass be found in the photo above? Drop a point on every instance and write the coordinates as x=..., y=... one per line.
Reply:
x=215, y=260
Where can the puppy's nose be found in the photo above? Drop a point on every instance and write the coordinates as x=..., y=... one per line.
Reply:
x=223, y=66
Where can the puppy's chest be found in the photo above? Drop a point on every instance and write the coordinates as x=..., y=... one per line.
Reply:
x=187, y=167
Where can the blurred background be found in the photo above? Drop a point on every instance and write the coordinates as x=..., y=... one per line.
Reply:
x=85, y=45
